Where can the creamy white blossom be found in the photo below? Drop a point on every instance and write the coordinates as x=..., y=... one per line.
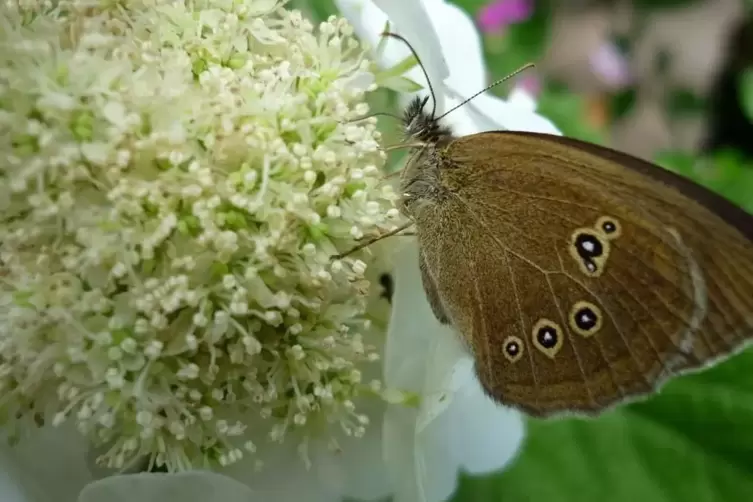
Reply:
x=175, y=178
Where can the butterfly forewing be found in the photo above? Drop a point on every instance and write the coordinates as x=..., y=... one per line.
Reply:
x=578, y=276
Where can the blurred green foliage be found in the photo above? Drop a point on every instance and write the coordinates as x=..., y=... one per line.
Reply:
x=690, y=443
x=726, y=172
x=520, y=44
x=746, y=92
x=561, y=106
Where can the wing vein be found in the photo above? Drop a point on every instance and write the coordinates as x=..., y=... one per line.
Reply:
x=523, y=330
x=483, y=328
x=505, y=249
x=566, y=325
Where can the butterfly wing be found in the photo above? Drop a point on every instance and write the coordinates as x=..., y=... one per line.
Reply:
x=581, y=276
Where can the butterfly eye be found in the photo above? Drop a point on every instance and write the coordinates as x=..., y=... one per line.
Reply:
x=547, y=337
x=609, y=226
x=590, y=249
x=585, y=318
x=513, y=347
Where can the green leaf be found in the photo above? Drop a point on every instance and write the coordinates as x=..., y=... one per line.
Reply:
x=683, y=102
x=727, y=172
x=622, y=102
x=401, y=84
x=734, y=177
x=691, y=442
x=679, y=162
x=382, y=44
x=317, y=11
x=568, y=112
x=746, y=92
x=396, y=70
x=471, y=6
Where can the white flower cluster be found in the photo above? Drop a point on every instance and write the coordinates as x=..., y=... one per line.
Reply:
x=174, y=180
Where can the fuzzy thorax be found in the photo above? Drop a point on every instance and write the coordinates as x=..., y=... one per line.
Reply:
x=423, y=127
x=420, y=180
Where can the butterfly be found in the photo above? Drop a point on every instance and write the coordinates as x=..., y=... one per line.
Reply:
x=578, y=276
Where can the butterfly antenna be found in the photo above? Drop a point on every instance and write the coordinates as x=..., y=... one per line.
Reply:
x=418, y=60
x=493, y=84
x=375, y=114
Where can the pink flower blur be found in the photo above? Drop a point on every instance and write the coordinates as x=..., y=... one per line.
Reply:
x=529, y=83
x=610, y=65
x=498, y=14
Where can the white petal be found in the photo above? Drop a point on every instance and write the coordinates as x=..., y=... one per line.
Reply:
x=448, y=367
x=473, y=433
x=489, y=113
x=12, y=482
x=283, y=477
x=408, y=456
x=461, y=46
x=457, y=425
x=426, y=357
x=412, y=326
x=485, y=436
x=181, y=487
x=359, y=471
x=49, y=465
x=356, y=471
x=361, y=80
x=407, y=19
x=465, y=120
x=522, y=99
x=421, y=354
x=368, y=21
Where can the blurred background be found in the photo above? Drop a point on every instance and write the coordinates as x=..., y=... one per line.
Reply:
x=670, y=81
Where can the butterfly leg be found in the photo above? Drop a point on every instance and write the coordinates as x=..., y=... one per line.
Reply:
x=391, y=175
x=371, y=241
x=414, y=144
x=376, y=114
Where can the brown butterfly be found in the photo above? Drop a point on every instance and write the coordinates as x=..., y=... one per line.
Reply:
x=579, y=276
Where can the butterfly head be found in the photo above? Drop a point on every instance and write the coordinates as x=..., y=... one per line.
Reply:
x=422, y=126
